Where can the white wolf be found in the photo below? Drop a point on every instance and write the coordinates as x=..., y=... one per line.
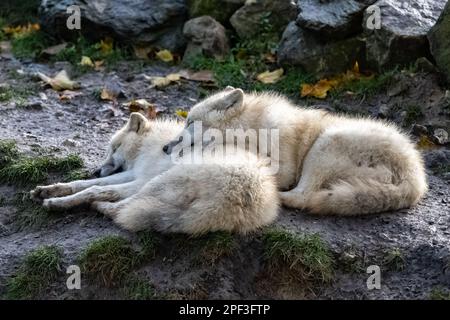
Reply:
x=153, y=192
x=328, y=164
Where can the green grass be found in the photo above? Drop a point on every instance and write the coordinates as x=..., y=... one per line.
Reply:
x=394, y=260
x=32, y=170
x=30, y=45
x=306, y=257
x=77, y=174
x=242, y=73
x=109, y=260
x=440, y=294
x=16, y=93
x=29, y=213
x=8, y=152
x=149, y=241
x=137, y=288
x=38, y=270
x=368, y=86
x=214, y=246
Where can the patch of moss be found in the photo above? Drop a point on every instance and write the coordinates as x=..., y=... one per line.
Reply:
x=440, y=294
x=394, y=260
x=33, y=170
x=109, y=260
x=77, y=174
x=17, y=94
x=307, y=257
x=139, y=289
x=38, y=270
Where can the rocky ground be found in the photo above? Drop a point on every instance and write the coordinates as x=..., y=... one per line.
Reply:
x=412, y=247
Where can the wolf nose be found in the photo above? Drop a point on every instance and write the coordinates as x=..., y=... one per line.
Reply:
x=96, y=173
x=166, y=149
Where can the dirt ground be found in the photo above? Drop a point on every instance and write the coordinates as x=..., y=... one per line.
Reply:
x=83, y=126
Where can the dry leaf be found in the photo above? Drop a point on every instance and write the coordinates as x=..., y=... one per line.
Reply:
x=270, y=58
x=54, y=50
x=69, y=95
x=98, y=65
x=425, y=142
x=270, y=77
x=144, y=52
x=21, y=30
x=165, y=55
x=60, y=82
x=143, y=106
x=106, y=46
x=86, y=61
x=320, y=89
x=161, y=82
x=202, y=76
x=181, y=113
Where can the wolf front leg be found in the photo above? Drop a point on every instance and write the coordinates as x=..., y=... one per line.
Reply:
x=94, y=193
x=64, y=189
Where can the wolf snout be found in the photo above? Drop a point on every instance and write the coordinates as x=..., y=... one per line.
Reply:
x=169, y=147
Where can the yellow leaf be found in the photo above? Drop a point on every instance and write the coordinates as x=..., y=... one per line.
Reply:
x=270, y=77
x=69, y=95
x=356, y=67
x=181, y=113
x=21, y=30
x=86, y=61
x=106, y=46
x=60, y=82
x=165, y=55
x=143, y=106
x=98, y=65
x=161, y=82
x=143, y=52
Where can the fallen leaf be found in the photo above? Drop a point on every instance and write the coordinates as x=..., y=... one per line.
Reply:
x=270, y=58
x=54, y=50
x=161, y=82
x=98, y=65
x=320, y=89
x=21, y=30
x=86, y=61
x=69, y=95
x=165, y=55
x=60, y=82
x=106, y=46
x=202, y=76
x=182, y=113
x=268, y=77
x=144, y=53
x=143, y=106
x=425, y=142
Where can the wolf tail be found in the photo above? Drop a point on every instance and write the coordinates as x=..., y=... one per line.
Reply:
x=362, y=196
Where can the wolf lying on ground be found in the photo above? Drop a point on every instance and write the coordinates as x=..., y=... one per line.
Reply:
x=328, y=164
x=231, y=194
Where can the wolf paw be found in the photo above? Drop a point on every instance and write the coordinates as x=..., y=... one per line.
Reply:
x=51, y=191
x=54, y=204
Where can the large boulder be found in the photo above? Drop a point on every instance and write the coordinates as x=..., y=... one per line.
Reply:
x=221, y=10
x=143, y=22
x=302, y=48
x=439, y=37
x=205, y=37
x=402, y=37
x=337, y=18
x=247, y=20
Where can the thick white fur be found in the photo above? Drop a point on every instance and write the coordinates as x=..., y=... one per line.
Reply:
x=329, y=164
x=155, y=193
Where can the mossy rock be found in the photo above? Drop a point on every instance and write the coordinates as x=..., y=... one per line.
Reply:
x=221, y=10
x=439, y=38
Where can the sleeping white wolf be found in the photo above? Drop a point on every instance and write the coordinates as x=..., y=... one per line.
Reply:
x=235, y=193
x=328, y=164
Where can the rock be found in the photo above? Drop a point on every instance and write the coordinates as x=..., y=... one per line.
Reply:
x=205, y=37
x=440, y=136
x=419, y=130
x=436, y=159
x=142, y=22
x=337, y=19
x=424, y=65
x=299, y=47
x=220, y=10
x=383, y=111
x=439, y=37
x=69, y=143
x=402, y=36
x=247, y=19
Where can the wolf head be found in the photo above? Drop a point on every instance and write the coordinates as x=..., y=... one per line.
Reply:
x=213, y=112
x=124, y=146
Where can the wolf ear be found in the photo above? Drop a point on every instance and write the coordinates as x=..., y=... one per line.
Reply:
x=137, y=123
x=233, y=99
x=229, y=88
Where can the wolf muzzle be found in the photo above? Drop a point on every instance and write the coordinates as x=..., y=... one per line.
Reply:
x=168, y=148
